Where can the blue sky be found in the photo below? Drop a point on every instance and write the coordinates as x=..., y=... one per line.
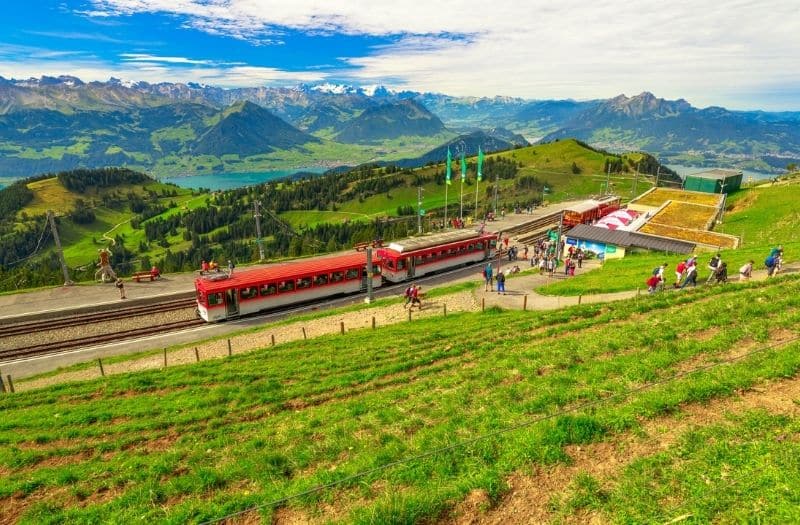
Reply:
x=737, y=54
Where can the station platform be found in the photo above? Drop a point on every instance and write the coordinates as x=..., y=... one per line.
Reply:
x=61, y=301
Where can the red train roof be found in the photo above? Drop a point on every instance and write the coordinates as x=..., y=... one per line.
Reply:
x=414, y=249
x=280, y=272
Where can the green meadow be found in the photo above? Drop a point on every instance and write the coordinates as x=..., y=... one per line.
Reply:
x=401, y=423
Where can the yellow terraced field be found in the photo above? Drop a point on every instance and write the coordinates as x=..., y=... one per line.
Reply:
x=699, y=236
x=659, y=196
x=685, y=215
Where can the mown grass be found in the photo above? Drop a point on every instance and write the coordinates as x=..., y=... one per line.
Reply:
x=744, y=470
x=196, y=442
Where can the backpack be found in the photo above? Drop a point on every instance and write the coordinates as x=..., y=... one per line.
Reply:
x=408, y=292
x=656, y=270
x=769, y=262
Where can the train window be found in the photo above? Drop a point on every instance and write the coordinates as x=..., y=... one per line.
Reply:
x=286, y=286
x=493, y=243
x=451, y=251
x=321, y=280
x=389, y=263
x=268, y=289
x=352, y=273
x=479, y=246
x=303, y=282
x=401, y=264
x=214, y=298
x=248, y=293
x=471, y=247
x=337, y=277
x=462, y=249
x=376, y=270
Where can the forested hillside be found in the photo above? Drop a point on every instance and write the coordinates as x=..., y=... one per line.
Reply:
x=145, y=223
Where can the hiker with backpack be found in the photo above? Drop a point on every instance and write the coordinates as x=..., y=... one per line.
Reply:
x=713, y=264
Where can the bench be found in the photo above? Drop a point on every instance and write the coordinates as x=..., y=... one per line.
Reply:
x=138, y=276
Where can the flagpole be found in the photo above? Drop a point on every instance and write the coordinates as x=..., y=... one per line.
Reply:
x=478, y=175
x=446, y=184
x=461, y=211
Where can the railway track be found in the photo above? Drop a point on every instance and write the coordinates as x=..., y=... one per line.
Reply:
x=79, y=320
x=58, y=346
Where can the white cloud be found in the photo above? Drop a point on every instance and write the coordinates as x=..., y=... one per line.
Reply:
x=710, y=53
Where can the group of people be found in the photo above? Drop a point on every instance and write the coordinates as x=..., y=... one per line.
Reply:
x=208, y=267
x=686, y=271
x=413, y=296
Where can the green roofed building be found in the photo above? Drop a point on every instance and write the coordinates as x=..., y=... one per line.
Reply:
x=714, y=181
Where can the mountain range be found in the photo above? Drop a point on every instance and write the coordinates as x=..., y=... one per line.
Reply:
x=55, y=123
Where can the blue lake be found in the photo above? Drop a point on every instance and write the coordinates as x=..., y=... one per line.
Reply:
x=227, y=181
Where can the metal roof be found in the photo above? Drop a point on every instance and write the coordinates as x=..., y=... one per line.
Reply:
x=716, y=174
x=218, y=282
x=629, y=239
x=418, y=243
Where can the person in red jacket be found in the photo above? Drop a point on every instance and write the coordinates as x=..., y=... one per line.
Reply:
x=679, y=272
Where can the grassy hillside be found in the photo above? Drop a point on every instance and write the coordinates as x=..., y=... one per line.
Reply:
x=405, y=422
x=113, y=217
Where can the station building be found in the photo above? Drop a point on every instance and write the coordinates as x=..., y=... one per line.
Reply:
x=714, y=181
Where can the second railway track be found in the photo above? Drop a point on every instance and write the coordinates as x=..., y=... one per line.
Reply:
x=57, y=346
x=96, y=317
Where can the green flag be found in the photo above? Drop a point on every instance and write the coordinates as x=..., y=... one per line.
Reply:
x=480, y=164
x=449, y=160
x=463, y=168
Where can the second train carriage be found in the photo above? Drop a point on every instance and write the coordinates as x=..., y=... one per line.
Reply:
x=588, y=211
x=418, y=256
x=223, y=297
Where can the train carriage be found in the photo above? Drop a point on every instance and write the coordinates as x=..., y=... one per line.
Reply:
x=222, y=297
x=590, y=210
x=418, y=256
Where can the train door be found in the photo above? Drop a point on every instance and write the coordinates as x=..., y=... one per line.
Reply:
x=411, y=265
x=231, y=302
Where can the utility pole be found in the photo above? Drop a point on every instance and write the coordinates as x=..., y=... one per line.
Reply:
x=608, y=178
x=658, y=173
x=496, y=183
x=419, y=210
x=635, y=182
x=59, y=251
x=369, y=276
x=259, y=241
x=560, y=233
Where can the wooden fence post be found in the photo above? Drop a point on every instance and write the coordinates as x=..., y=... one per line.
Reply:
x=2, y=384
x=341, y=327
x=10, y=384
x=525, y=303
x=100, y=364
x=196, y=354
x=304, y=333
x=272, y=338
x=409, y=314
x=579, y=298
x=373, y=322
x=230, y=350
x=445, y=309
x=165, y=358
x=483, y=304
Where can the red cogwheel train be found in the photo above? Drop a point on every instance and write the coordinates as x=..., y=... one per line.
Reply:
x=223, y=296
